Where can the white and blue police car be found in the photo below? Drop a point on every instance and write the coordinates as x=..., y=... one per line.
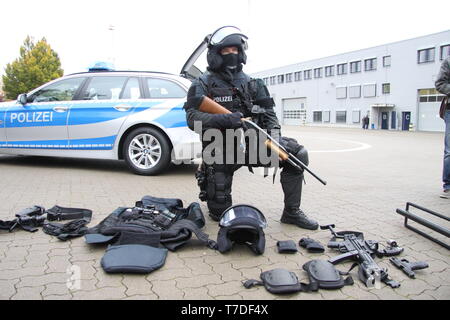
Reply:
x=103, y=114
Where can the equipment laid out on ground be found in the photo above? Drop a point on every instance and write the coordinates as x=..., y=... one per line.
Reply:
x=242, y=224
x=322, y=275
x=139, y=237
x=433, y=226
x=408, y=267
x=311, y=245
x=287, y=246
x=30, y=219
x=354, y=247
x=134, y=252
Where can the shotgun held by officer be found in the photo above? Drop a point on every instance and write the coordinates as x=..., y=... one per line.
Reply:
x=210, y=106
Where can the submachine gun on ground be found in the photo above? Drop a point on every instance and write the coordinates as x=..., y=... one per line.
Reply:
x=210, y=106
x=353, y=247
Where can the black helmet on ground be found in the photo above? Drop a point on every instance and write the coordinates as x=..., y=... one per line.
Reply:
x=242, y=224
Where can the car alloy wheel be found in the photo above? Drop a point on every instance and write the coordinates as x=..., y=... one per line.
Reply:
x=144, y=151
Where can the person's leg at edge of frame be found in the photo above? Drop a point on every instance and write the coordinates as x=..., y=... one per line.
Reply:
x=446, y=171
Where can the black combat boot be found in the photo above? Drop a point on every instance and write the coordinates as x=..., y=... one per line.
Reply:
x=299, y=218
x=291, y=181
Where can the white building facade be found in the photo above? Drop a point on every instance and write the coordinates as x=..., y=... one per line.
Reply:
x=392, y=83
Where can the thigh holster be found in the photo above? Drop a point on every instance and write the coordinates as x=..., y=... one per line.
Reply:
x=214, y=183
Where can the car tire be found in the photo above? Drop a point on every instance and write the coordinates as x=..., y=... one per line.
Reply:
x=146, y=151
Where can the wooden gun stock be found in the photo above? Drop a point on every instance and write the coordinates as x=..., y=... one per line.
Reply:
x=283, y=155
x=210, y=106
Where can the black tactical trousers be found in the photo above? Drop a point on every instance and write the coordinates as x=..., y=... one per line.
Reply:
x=216, y=186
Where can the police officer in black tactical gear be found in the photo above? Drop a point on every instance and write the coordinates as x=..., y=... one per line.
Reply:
x=228, y=85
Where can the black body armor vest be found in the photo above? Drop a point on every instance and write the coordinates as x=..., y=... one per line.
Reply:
x=236, y=95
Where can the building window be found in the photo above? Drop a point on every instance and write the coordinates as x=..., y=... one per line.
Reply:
x=341, y=92
x=298, y=76
x=318, y=73
x=356, y=116
x=342, y=68
x=292, y=114
x=280, y=78
x=288, y=77
x=386, y=61
x=430, y=95
x=307, y=74
x=317, y=116
x=370, y=90
x=329, y=71
x=326, y=116
x=272, y=80
x=386, y=88
x=341, y=116
x=354, y=91
x=355, y=66
x=445, y=52
x=370, y=64
x=425, y=55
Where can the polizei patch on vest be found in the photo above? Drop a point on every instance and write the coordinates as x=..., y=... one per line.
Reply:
x=190, y=309
x=223, y=99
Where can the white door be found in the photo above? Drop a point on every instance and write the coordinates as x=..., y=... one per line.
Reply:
x=294, y=111
x=429, y=119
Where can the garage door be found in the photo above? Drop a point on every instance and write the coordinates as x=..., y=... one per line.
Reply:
x=429, y=119
x=294, y=111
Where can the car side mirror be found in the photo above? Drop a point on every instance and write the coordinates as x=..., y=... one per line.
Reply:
x=22, y=98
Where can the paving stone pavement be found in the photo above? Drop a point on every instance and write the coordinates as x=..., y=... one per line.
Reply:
x=369, y=175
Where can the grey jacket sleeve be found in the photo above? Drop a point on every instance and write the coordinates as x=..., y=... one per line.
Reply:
x=443, y=80
x=270, y=120
x=207, y=120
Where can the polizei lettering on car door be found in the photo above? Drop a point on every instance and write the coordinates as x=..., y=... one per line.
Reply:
x=31, y=117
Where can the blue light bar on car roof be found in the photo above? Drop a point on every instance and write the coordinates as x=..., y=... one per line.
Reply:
x=101, y=66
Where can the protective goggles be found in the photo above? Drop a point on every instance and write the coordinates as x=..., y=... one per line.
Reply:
x=242, y=211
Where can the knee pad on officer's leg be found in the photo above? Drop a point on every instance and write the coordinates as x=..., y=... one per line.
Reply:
x=302, y=155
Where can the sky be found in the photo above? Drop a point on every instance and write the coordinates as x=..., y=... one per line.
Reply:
x=160, y=35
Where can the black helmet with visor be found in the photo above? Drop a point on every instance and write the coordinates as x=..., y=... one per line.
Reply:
x=227, y=36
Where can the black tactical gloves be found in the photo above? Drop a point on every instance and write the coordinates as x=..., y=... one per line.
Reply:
x=311, y=245
x=234, y=120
